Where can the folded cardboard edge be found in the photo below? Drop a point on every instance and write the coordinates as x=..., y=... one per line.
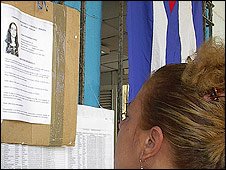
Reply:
x=71, y=77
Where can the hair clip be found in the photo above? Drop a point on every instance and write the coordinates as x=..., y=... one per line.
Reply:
x=215, y=94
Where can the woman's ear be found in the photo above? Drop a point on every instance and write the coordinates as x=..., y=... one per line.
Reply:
x=153, y=143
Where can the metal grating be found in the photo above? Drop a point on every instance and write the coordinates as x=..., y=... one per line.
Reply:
x=207, y=19
x=106, y=99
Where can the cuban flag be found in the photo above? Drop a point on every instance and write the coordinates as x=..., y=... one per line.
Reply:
x=160, y=33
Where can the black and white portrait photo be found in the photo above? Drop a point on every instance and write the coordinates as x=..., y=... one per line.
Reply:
x=12, y=39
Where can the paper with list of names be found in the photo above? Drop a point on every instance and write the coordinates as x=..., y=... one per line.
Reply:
x=94, y=146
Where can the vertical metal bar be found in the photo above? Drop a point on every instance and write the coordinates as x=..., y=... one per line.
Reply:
x=211, y=18
x=120, y=62
x=82, y=52
x=204, y=19
x=208, y=19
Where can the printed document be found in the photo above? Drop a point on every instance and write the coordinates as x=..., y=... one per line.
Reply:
x=26, y=66
x=94, y=146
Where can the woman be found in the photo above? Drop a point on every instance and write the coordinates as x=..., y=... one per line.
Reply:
x=12, y=39
x=178, y=118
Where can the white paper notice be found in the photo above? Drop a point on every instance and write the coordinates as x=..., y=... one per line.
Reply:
x=94, y=146
x=26, y=66
x=95, y=139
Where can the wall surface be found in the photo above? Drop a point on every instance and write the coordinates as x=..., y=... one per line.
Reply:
x=92, y=50
x=219, y=19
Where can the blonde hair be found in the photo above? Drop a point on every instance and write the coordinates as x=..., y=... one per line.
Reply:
x=174, y=101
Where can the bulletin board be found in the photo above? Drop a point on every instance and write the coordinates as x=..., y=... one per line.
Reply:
x=65, y=68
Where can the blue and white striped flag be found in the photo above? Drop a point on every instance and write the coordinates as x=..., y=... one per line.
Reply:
x=160, y=33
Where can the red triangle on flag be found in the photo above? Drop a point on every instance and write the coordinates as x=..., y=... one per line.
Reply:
x=171, y=5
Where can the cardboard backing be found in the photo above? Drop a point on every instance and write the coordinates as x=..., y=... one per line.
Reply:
x=66, y=32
